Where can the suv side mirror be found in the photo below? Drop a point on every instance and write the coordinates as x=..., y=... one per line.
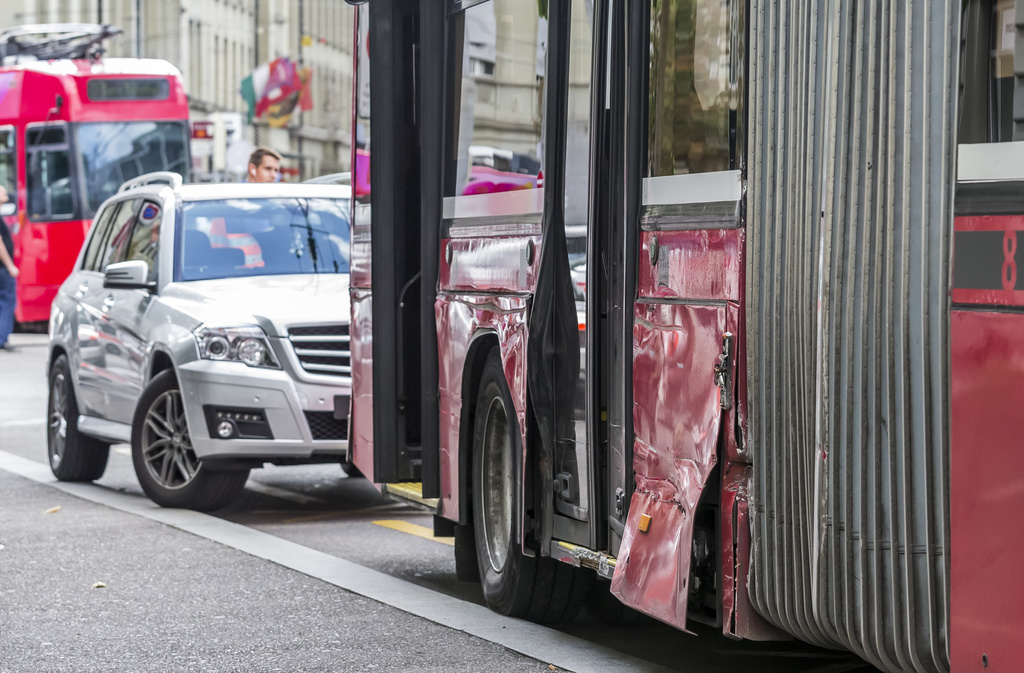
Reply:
x=130, y=275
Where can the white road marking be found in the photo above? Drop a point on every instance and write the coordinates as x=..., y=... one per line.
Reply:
x=538, y=642
x=282, y=493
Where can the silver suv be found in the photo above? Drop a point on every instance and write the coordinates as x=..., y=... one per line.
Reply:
x=208, y=326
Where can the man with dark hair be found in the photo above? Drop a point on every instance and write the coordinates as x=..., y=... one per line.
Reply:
x=8, y=284
x=264, y=165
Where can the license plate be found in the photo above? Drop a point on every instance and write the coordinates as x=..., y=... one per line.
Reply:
x=341, y=406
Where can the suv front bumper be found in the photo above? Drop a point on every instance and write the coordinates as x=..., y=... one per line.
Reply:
x=298, y=413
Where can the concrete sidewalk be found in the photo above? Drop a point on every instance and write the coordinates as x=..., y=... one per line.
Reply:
x=177, y=602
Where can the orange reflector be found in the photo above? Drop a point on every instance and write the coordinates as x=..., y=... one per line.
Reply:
x=645, y=522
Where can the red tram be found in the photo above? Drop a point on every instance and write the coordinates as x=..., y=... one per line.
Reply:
x=73, y=128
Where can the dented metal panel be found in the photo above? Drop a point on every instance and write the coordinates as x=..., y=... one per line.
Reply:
x=695, y=264
x=849, y=201
x=490, y=264
x=462, y=321
x=676, y=417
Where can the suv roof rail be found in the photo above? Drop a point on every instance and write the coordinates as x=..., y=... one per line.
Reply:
x=160, y=177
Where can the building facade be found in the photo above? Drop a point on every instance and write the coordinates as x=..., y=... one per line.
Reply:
x=216, y=44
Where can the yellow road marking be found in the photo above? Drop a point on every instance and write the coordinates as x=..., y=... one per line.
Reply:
x=413, y=529
x=341, y=514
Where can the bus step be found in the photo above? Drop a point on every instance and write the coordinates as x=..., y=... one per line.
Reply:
x=412, y=493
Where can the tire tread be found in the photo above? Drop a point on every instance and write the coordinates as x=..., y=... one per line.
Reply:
x=85, y=458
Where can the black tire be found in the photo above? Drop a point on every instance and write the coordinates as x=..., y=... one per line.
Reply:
x=540, y=589
x=607, y=609
x=165, y=463
x=72, y=455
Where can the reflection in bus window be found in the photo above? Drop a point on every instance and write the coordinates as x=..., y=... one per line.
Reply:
x=113, y=152
x=1004, y=32
x=500, y=100
x=987, y=93
x=577, y=150
x=692, y=85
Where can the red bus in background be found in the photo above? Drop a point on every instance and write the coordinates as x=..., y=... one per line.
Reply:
x=73, y=128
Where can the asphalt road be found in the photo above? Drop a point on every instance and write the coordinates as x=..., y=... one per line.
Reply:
x=308, y=571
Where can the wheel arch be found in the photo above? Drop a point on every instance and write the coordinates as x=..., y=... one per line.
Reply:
x=56, y=350
x=159, y=361
x=483, y=342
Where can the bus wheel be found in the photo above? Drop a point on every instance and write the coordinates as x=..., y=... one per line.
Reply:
x=165, y=462
x=72, y=455
x=539, y=589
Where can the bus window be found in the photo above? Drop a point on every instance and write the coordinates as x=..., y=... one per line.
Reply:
x=113, y=152
x=986, y=102
x=8, y=167
x=499, y=102
x=577, y=150
x=692, y=86
x=49, y=173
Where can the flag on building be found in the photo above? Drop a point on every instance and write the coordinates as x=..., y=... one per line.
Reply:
x=275, y=89
x=253, y=87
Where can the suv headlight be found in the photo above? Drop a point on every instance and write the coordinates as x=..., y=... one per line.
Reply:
x=248, y=344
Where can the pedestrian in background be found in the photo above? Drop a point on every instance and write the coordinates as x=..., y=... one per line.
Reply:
x=8, y=274
x=264, y=165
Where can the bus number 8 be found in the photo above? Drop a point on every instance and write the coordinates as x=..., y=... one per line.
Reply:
x=1009, y=263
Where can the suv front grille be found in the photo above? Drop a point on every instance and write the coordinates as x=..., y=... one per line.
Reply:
x=323, y=425
x=322, y=349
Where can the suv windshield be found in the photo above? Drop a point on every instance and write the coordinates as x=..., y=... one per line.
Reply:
x=113, y=152
x=262, y=237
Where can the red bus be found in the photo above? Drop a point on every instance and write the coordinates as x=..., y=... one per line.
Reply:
x=750, y=353
x=71, y=131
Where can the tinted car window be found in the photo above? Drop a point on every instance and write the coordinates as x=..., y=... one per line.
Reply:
x=144, y=243
x=248, y=237
x=101, y=232
x=108, y=243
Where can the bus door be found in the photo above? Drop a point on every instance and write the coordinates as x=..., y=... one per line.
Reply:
x=392, y=286
x=592, y=478
x=686, y=171
x=986, y=477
